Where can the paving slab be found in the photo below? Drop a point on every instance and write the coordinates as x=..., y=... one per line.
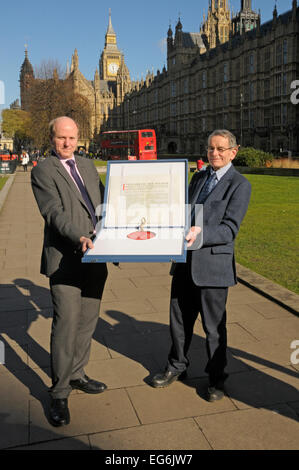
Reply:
x=253, y=429
x=89, y=414
x=182, y=434
x=68, y=443
x=121, y=372
x=260, y=388
x=178, y=401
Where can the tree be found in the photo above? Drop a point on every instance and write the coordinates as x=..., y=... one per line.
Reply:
x=14, y=120
x=47, y=68
x=16, y=123
x=51, y=97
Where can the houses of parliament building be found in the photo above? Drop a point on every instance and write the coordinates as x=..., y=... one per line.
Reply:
x=235, y=73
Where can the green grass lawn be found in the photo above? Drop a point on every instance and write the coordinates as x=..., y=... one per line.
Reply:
x=268, y=242
x=99, y=163
x=3, y=180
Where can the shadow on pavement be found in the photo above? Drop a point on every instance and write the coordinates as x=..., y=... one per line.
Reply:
x=145, y=342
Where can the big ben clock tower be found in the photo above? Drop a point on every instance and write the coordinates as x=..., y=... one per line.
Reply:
x=111, y=56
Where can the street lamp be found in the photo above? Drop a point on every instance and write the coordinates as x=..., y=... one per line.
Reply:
x=133, y=112
x=128, y=126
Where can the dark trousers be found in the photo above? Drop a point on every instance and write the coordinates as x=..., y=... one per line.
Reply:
x=76, y=297
x=187, y=301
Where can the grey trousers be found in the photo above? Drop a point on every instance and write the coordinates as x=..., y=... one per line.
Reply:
x=187, y=301
x=76, y=297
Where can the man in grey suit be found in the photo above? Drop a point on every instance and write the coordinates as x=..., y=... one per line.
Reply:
x=68, y=191
x=201, y=284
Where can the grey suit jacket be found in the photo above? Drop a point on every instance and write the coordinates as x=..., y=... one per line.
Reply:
x=213, y=265
x=64, y=211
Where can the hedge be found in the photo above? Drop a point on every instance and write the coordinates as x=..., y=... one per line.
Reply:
x=249, y=156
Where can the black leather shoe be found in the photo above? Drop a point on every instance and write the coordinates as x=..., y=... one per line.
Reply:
x=59, y=412
x=88, y=385
x=166, y=378
x=215, y=394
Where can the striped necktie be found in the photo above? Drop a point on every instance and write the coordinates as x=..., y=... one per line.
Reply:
x=207, y=187
x=82, y=189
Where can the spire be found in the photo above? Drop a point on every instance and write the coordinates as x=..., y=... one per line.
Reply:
x=178, y=40
x=110, y=29
x=75, y=61
x=179, y=26
x=275, y=15
x=96, y=79
x=246, y=5
x=294, y=10
x=110, y=38
x=169, y=39
x=55, y=75
x=26, y=68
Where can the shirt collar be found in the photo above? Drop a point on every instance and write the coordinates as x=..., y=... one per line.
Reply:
x=221, y=172
x=62, y=159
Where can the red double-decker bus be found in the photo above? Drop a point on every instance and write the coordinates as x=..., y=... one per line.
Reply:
x=129, y=145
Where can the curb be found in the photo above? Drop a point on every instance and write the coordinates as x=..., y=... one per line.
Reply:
x=272, y=291
x=5, y=190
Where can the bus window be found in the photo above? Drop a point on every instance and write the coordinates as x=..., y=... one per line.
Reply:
x=146, y=134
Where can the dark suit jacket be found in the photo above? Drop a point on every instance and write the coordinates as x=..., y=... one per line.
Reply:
x=64, y=211
x=213, y=265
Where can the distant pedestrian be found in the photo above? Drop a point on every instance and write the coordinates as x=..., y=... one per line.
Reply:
x=25, y=160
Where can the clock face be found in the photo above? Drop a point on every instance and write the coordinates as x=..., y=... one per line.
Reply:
x=113, y=67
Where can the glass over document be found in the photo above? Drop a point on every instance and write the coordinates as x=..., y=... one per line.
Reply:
x=144, y=213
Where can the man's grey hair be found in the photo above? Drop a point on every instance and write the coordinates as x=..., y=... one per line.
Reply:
x=224, y=133
x=53, y=122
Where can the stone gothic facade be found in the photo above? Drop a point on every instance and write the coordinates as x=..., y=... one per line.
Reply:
x=236, y=73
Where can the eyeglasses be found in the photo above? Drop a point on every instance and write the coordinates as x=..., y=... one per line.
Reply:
x=220, y=150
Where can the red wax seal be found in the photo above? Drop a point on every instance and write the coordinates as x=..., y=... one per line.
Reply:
x=141, y=235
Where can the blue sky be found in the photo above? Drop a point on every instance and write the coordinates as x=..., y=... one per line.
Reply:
x=53, y=29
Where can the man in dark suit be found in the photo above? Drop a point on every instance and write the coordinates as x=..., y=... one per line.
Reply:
x=201, y=284
x=68, y=191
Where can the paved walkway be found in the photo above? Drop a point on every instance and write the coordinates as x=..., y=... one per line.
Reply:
x=130, y=345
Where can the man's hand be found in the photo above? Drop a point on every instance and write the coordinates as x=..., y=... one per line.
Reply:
x=85, y=243
x=192, y=234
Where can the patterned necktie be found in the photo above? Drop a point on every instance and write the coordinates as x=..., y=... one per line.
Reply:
x=207, y=187
x=75, y=175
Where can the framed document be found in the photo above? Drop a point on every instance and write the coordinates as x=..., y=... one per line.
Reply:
x=145, y=213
